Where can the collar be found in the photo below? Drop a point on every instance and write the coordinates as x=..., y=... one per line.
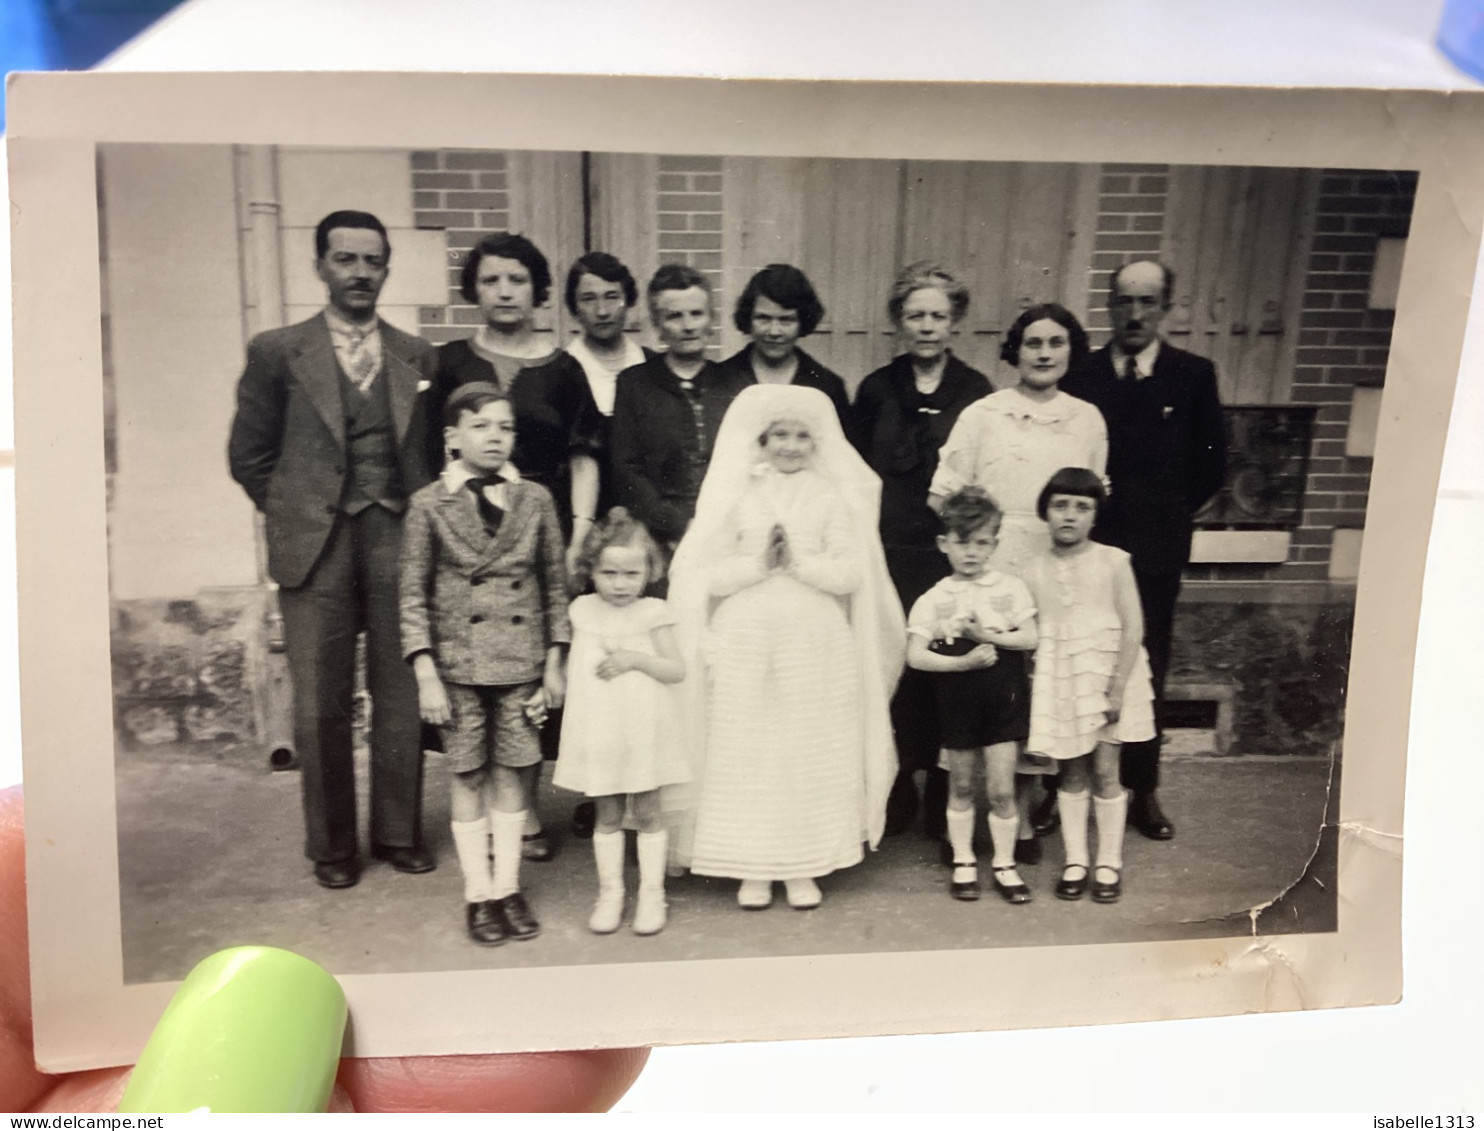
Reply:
x=343, y=327
x=579, y=349
x=984, y=580
x=1143, y=360
x=457, y=473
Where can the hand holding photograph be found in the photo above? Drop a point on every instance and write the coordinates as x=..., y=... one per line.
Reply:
x=441, y=556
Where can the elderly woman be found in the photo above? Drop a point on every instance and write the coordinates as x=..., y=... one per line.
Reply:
x=1011, y=442
x=902, y=414
x=781, y=589
x=778, y=307
x=558, y=430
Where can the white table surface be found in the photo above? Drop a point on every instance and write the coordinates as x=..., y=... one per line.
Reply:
x=1419, y=1056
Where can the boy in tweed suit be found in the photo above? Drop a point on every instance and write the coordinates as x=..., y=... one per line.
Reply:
x=484, y=625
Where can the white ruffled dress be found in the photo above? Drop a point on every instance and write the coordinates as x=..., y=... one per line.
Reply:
x=1080, y=634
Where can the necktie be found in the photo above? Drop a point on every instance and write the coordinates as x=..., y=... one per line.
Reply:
x=489, y=513
x=1130, y=370
x=359, y=360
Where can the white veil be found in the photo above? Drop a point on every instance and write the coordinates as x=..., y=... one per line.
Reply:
x=876, y=619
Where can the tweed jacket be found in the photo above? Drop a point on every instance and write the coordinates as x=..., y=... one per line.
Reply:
x=1166, y=452
x=287, y=446
x=487, y=608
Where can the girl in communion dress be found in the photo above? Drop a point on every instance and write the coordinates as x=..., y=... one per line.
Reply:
x=781, y=591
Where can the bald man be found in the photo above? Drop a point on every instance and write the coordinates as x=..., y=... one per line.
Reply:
x=1166, y=458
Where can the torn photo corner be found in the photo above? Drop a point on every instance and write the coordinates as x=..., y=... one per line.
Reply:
x=1319, y=250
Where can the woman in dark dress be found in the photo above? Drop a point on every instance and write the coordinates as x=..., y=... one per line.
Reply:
x=903, y=413
x=778, y=307
x=557, y=427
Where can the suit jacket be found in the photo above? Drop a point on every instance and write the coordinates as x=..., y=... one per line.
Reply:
x=811, y=374
x=487, y=608
x=287, y=447
x=654, y=438
x=1166, y=452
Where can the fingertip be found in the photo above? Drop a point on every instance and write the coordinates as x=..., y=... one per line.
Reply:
x=586, y=1081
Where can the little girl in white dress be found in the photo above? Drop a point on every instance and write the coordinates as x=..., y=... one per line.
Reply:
x=621, y=737
x=1091, y=690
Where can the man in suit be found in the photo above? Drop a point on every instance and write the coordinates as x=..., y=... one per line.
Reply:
x=329, y=443
x=1166, y=458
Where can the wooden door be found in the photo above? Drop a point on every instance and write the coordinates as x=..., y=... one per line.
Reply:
x=1238, y=239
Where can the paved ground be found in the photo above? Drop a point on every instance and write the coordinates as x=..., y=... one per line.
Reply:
x=210, y=857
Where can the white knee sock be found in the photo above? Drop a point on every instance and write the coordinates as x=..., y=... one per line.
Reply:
x=471, y=840
x=1110, y=814
x=961, y=835
x=1074, y=808
x=508, y=828
x=653, y=849
x=1002, y=832
x=608, y=855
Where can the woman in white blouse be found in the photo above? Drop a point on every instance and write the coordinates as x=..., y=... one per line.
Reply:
x=1011, y=442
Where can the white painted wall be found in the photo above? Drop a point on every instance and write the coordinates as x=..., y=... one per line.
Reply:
x=178, y=522
x=175, y=269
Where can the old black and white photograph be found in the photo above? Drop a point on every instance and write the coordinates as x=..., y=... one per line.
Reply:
x=771, y=441
x=569, y=558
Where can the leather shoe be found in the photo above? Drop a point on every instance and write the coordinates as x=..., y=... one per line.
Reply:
x=967, y=888
x=415, y=860
x=1145, y=815
x=1045, y=817
x=584, y=820
x=338, y=873
x=518, y=921
x=1010, y=893
x=1103, y=892
x=1028, y=851
x=535, y=846
x=1071, y=887
x=486, y=926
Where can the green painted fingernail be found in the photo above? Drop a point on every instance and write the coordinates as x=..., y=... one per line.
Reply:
x=250, y=1029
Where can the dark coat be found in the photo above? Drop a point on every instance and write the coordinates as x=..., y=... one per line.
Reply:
x=1166, y=452
x=487, y=607
x=287, y=446
x=658, y=457
x=898, y=431
x=811, y=374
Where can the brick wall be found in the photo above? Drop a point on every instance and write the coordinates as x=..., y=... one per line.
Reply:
x=1131, y=221
x=1342, y=344
x=463, y=192
x=689, y=203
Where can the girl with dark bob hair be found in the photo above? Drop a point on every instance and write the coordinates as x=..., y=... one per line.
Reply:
x=506, y=245
x=1091, y=690
x=778, y=307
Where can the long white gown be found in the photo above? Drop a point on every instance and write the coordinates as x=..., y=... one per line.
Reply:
x=783, y=796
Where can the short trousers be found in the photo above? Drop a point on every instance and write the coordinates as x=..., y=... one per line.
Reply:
x=986, y=706
x=489, y=725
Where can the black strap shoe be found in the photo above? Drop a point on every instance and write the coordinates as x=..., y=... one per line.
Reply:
x=520, y=924
x=486, y=924
x=1072, y=887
